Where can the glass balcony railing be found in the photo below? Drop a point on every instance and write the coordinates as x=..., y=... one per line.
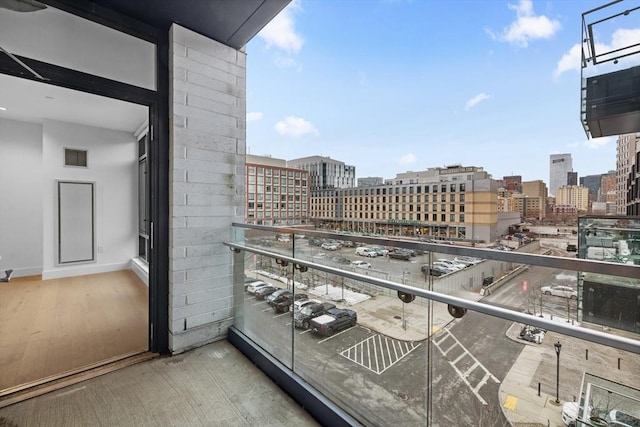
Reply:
x=424, y=333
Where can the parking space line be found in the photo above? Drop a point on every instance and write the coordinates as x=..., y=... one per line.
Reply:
x=335, y=335
x=378, y=353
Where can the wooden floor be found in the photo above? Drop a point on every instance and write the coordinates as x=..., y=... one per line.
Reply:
x=52, y=328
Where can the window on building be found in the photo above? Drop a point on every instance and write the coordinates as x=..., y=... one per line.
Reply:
x=462, y=197
x=443, y=188
x=461, y=208
x=434, y=189
x=443, y=217
x=452, y=198
x=434, y=217
x=452, y=187
x=462, y=187
x=443, y=208
x=461, y=217
x=443, y=197
x=452, y=218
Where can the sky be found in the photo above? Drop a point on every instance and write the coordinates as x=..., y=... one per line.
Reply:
x=391, y=86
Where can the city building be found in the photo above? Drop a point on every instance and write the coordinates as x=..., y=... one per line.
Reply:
x=370, y=181
x=535, y=188
x=326, y=173
x=573, y=195
x=592, y=182
x=276, y=194
x=626, y=149
x=455, y=202
x=512, y=183
x=530, y=207
x=572, y=178
x=559, y=167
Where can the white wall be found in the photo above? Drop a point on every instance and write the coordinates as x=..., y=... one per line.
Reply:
x=113, y=165
x=20, y=197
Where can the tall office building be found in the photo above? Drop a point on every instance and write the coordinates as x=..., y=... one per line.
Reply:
x=625, y=160
x=572, y=178
x=325, y=173
x=592, y=182
x=559, y=167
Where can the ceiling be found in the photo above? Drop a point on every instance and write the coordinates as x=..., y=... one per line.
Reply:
x=31, y=101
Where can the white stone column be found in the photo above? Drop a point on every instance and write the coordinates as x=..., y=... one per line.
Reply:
x=207, y=117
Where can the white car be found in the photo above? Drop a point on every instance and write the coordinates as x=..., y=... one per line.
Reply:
x=369, y=252
x=360, y=264
x=302, y=303
x=560, y=291
x=253, y=287
x=330, y=246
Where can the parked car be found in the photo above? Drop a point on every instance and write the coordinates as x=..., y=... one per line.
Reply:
x=400, y=254
x=532, y=334
x=254, y=286
x=340, y=259
x=271, y=299
x=619, y=418
x=264, y=291
x=360, y=264
x=571, y=411
x=365, y=251
x=572, y=248
x=435, y=270
x=300, y=304
x=560, y=291
x=330, y=246
x=380, y=251
x=451, y=263
x=335, y=320
x=284, y=302
x=302, y=319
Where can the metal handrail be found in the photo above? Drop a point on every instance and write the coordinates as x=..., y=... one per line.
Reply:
x=582, y=265
x=622, y=343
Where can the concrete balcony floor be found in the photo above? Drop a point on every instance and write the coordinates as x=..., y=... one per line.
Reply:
x=213, y=385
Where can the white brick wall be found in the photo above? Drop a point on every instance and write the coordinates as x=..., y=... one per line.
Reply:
x=208, y=139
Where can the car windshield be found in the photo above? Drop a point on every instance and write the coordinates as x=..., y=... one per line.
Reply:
x=307, y=310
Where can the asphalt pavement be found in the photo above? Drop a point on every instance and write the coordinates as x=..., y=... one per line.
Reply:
x=528, y=393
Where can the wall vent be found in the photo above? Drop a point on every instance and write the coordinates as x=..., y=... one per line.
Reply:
x=73, y=157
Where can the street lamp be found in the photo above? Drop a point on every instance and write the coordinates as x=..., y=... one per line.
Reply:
x=557, y=346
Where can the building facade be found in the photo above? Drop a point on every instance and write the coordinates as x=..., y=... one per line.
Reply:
x=325, y=173
x=559, y=167
x=625, y=160
x=276, y=194
x=455, y=202
x=573, y=195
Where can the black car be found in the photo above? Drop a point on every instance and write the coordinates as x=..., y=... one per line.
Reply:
x=334, y=320
x=399, y=254
x=434, y=271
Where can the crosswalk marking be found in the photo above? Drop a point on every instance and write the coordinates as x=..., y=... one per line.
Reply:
x=446, y=335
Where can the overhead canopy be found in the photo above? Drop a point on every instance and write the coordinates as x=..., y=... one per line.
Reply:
x=231, y=22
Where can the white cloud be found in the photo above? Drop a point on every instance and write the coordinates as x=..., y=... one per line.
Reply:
x=407, y=159
x=295, y=127
x=254, y=116
x=527, y=26
x=476, y=100
x=281, y=33
x=620, y=39
x=569, y=61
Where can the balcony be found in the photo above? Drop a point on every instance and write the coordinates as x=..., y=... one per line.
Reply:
x=482, y=344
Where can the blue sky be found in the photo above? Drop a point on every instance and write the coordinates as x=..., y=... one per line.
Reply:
x=396, y=85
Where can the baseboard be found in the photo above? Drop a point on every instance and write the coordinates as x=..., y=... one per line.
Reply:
x=141, y=268
x=84, y=270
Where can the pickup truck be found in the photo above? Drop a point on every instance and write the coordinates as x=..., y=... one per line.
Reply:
x=302, y=319
x=336, y=319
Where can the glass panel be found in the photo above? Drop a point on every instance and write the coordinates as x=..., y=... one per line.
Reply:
x=412, y=361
